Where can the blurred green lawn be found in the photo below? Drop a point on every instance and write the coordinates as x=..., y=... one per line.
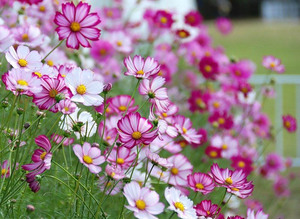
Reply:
x=253, y=39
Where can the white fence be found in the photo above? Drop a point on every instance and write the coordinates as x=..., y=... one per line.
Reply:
x=293, y=80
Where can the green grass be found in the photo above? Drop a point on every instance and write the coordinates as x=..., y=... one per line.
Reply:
x=252, y=39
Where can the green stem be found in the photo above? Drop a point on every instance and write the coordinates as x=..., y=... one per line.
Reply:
x=43, y=60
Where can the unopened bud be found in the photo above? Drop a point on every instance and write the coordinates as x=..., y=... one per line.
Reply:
x=30, y=208
x=20, y=111
x=26, y=125
x=67, y=133
x=4, y=103
x=95, y=145
x=107, y=87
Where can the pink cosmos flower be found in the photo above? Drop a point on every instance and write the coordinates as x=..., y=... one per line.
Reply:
x=163, y=19
x=179, y=203
x=5, y=169
x=66, y=106
x=213, y=152
x=23, y=58
x=6, y=40
x=157, y=160
x=274, y=162
x=207, y=209
x=141, y=68
x=102, y=50
x=289, y=123
x=228, y=144
x=28, y=35
x=274, y=64
x=281, y=187
x=193, y=18
x=184, y=127
x=180, y=170
x=142, y=201
x=41, y=162
x=89, y=156
x=235, y=181
x=259, y=214
x=121, y=156
x=114, y=172
x=84, y=87
x=157, y=94
x=120, y=104
x=110, y=130
x=203, y=139
x=53, y=90
x=209, y=67
x=134, y=130
x=121, y=42
x=201, y=182
x=77, y=25
x=58, y=139
x=242, y=70
x=198, y=101
x=21, y=82
x=31, y=2
x=221, y=120
x=224, y=25
x=110, y=187
x=242, y=163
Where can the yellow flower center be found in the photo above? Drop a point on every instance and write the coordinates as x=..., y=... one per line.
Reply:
x=22, y=62
x=164, y=114
x=179, y=206
x=237, y=73
x=216, y=104
x=102, y=51
x=224, y=146
x=272, y=65
x=182, y=34
x=81, y=89
x=160, y=73
x=213, y=154
x=287, y=124
x=200, y=103
x=42, y=156
x=42, y=8
x=207, y=53
x=38, y=74
x=221, y=121
x=208, y=68
x=184, y=130
x=120, y=161
x=140, y=204
x=241, y=164
x=109, y=13
x=66, y=108
x=3, y=171
x=53, y=93
x=112, y=174
x=119, y=43
x=50, y=63
x=163, y=20
x=75, y=26
x=87, y=159
x=25, y=37
x=229, y=180
x=182, y=144
x=136, y=135
x=122, y=108
x=22, y=82
x=235, y=189
x=174, y=171
x=140, y=72
x=208, y=213
x=199, y=186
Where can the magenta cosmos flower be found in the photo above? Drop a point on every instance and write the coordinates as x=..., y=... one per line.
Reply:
x=289, y=123
x=193, y=18
x=209, y=67
x=163, y=19
x=142, y=201
x=53, y=90
x=224, y=25
x=134, y=130
x=141, y=68
x=89, y=156
x=273, y=63
x=77, y=25
x=201, y=182
x=121, y=104
x=207, y=209
x=235, y=181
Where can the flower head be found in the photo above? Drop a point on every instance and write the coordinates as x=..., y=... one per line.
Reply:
x=207, y=209
x=289, y=123
x=201, y=182
x=273, y=63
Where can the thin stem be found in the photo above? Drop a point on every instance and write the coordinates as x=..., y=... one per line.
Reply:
x=43, y=60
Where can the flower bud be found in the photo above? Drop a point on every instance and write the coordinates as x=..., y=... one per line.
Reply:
x=107, y=88
x=4, y=104
x=20, y=111
x=30, y=208
x=26, y=125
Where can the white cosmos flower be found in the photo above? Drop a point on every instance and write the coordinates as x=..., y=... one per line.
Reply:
x=88, y=127
x=84, y=87
x=179, y=203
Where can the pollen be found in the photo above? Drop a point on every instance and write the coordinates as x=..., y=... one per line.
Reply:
x=22, y=62
x=174, y=171
x=119, y=43
x=42, y=156
x=213, y=154
x=3, y=171
x=42, y=8
x=109, y=13
x=237, y=73
x=140, y=72
x=208, y=213
x=108, y=138
x=208, y=68
x=182, y=144
x=199, y=186
x=81, y=89
x=229, y=180
x=122, y=108
x=221, y=121
x=287, y=124
x=216, y=104
x=25, y=37
x=140, y=204
x=179, y=206
x=102, y=51
x=182, y=34
x=136, y=135
x=272, y=65
x=38, y=74
x=241, y=164
x=164, y=114
x=50, y=63
x=235, y=189
x=120, y=161
x=75, y=26
x=66, y=109
x=53, y=93
x=224, y=146
x=87, y=159
x=22, y=82
x=184, y=130
x=163, y=20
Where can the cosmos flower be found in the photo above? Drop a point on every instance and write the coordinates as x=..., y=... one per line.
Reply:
x=121, y=156
x=163, y=19
x=66, y=106
x=77, y=25
x=84, y=87
x=273, y=63
x=179, y=203
x=6, y=40
x=224, y=25
x=201, y=182
x=207, y=209
x=134, y=130
x=142, y=201
x=89, y=156
x=289, y=123
x=122, y=103
x=209, y=67
x=141, y=68
x=259, y=214
x=193, y=18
